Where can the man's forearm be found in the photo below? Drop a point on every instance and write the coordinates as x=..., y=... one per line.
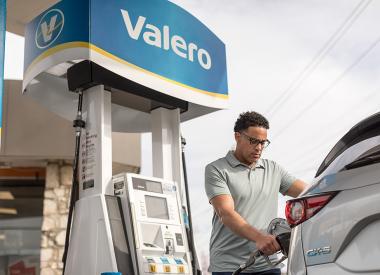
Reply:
x=239, y=226
x=224, y=207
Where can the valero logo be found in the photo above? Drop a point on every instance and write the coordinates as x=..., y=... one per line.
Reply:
x=153, y=36
x=49, y=28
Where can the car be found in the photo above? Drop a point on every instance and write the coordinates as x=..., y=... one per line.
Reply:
x=336, y=221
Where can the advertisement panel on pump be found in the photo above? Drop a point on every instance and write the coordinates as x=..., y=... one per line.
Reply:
x=175, y=54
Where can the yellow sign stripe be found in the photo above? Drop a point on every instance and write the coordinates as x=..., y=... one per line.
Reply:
x=107, y=54
x=64, y=46
x=56, y=49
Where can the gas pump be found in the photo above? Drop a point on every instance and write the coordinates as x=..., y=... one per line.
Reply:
x=140, y=80
x=133, y=223
x=158, y=230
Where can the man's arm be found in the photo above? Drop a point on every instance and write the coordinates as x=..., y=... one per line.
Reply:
x=225, y=209
x=296, y=188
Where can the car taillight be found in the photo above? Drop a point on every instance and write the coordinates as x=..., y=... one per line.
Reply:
x=301, y=209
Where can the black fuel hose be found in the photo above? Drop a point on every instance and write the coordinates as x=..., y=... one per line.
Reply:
x=190, y=235
x=78, y=124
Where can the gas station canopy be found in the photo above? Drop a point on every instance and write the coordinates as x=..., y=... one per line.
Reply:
x=163, y=59
x=21, y=12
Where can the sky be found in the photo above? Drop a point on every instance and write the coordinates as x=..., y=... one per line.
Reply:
x=311, y=67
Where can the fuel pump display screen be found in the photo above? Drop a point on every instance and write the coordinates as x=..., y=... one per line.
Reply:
x=156, y=207
x=152, y=186
x=146, y=185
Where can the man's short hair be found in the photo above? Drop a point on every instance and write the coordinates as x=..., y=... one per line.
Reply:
x=250, y=119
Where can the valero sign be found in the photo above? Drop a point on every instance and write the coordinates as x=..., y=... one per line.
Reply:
x=154, y=43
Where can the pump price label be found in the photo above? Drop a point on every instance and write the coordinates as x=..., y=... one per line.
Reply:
x=167, y=269
x=181, y=269
x=152, y=268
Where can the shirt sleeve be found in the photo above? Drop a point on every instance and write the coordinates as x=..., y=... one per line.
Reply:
x=286, y=180
x=215, y=182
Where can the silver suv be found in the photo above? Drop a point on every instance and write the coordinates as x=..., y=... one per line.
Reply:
x=336, y=221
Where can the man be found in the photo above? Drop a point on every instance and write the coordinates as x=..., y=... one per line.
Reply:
x=243, y=189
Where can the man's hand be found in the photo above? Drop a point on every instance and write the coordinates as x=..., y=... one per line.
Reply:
x=267, y=244
x=224, y=208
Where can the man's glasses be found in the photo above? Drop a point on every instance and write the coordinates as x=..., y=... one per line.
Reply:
x=255, y=141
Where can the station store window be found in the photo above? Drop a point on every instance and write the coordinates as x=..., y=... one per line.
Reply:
x=21, y=211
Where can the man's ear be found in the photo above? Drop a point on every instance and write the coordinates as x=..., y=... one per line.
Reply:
x=237, y=136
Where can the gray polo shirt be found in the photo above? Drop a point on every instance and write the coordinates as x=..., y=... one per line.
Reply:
x=255, y=194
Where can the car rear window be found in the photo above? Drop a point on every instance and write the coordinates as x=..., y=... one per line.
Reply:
x=362, y=134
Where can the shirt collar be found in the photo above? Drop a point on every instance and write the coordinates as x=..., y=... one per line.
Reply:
x=233, y=161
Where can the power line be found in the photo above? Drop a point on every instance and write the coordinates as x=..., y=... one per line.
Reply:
x=310, y=153
x=313, y=64
x=332, y=41
x=329, y=88
x=310, y=158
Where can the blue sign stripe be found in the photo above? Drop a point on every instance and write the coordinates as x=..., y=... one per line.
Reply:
x=3, y=14
x=177, y=46
x=157, y=36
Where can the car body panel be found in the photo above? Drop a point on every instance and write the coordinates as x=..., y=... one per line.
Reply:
x=336, y=225
x=345, y=180
x=362, y=252
x=331, y=269
x=297, y=265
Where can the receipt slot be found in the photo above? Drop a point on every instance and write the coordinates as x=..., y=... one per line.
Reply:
x=152, y=216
